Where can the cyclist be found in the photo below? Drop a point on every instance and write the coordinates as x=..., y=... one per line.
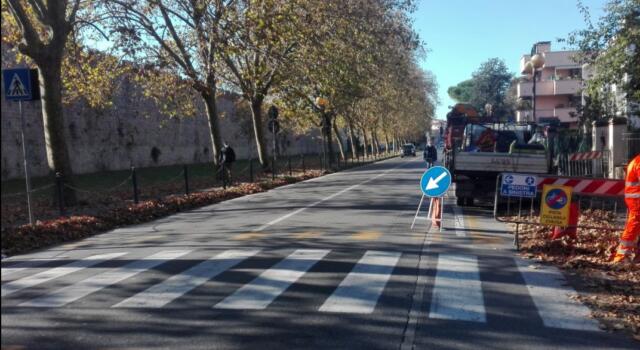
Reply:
x=430, y=154
x=227, y=157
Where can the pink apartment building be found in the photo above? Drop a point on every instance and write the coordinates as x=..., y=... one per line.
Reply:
x=558, y=87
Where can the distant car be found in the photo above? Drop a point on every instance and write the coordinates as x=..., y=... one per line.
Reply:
x=408, y=150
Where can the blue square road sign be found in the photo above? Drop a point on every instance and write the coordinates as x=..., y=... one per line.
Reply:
x=19, y=84
x=518, y=185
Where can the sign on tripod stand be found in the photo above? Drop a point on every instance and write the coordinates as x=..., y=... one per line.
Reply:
x=434, y=183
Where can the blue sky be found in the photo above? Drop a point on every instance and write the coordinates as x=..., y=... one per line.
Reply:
x=461, y=34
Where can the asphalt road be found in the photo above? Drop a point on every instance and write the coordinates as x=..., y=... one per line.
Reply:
x=329, y=263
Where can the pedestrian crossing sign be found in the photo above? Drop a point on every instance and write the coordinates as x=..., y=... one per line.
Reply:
x=20, y=84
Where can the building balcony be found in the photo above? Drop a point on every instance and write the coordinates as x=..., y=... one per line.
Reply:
x=562, y=114
x=554, y=59
x=550, y=88
x=560, y=59
x=543, y=88
x=567, y=87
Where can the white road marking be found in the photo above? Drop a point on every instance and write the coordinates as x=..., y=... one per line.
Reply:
x=10, y=271
x=360, y=290
x=457, y=293
x=550, y=294
x=297, y=211
x=459, y=221
x=163, y=293
x=258, y=294
x=48, y=275
x=7, y=272
x=93, y=284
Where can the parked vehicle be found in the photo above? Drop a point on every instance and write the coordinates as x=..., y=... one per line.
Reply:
x=408, y=149
x=478, y=149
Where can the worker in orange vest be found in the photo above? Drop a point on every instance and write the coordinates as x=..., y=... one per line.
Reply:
x=629, y=238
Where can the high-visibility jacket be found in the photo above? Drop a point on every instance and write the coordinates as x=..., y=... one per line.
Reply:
x=631, y=233
x=632, y=180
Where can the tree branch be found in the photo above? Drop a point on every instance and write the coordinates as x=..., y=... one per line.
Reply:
x=39, y=9
x=74, y=12
x=176, y=37
x=28, y=31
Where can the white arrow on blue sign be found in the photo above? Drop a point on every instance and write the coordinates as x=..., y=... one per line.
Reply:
x=435, y=182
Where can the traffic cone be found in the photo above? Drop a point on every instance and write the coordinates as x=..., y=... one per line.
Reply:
x=436, y=219
x=572, y=232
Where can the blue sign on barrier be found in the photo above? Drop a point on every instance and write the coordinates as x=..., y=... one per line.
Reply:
x=518, y=185
x=435, y=182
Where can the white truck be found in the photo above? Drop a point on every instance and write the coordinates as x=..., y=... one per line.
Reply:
x=486, y=150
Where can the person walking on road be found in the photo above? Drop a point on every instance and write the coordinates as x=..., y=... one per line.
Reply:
x=227, y=157
x=629, y=238
x=430, y=154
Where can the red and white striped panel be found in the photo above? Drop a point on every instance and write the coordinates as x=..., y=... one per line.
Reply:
x=593, y=187
x=585, y=155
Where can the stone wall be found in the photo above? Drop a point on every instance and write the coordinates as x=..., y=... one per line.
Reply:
x=131, y=133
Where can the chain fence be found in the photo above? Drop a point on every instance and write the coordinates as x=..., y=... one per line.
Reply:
x=151, y=183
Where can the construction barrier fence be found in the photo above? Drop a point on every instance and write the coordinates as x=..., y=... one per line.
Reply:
x=584, y=164
x=586, y=194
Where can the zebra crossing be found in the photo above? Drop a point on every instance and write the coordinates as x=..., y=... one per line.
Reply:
x=456, y=293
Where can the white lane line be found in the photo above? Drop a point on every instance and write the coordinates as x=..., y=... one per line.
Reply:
x=360, y=290
x=548, y=289
x=263, y=290
x=457, y=293
x=93, y=284
x=297, y=211
x=459, y=221
x=163, y=293
x=48, y=275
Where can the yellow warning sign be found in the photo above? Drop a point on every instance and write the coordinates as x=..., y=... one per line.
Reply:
x=554, y=207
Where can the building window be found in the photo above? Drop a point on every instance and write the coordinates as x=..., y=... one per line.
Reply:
x=575, y=73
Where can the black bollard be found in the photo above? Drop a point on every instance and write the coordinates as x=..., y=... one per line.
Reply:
x=251, y=169
x=60, y=185
x=134, y=182
x=186, y=179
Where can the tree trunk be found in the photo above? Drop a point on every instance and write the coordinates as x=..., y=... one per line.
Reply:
x=339, y=139
x=329, y=142
x=374, y=143
x=352, y=138
x=386, y=143
x=256, y=116
x=366, y=142
x=53, y=120
x=214, y=128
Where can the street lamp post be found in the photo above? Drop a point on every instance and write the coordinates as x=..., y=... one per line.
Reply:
x=536, y=62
